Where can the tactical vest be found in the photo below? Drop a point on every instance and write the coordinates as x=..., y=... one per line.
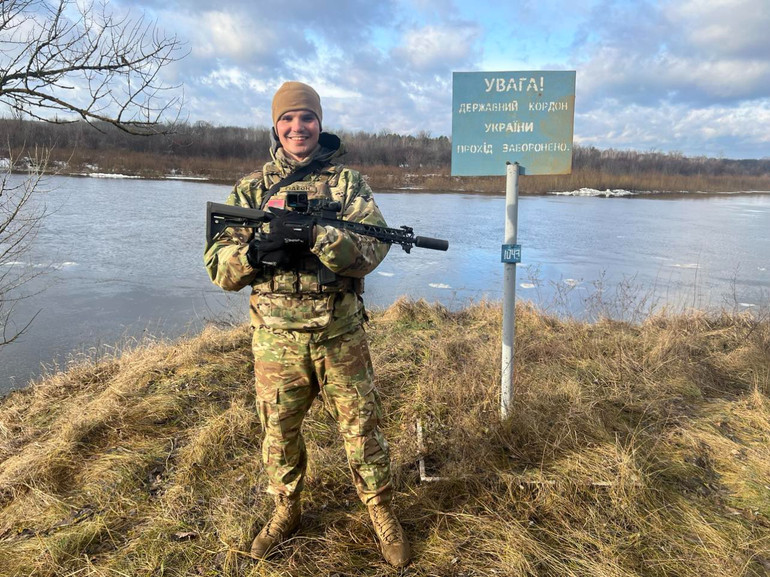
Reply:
x=301, y=277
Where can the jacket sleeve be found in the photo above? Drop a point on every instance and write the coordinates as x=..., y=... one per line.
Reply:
x=225, y=254
x=344, y=252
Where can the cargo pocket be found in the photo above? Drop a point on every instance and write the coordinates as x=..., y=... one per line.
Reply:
x=298, y=313
x=370, y=412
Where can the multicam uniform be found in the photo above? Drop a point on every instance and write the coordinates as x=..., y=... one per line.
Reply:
x=309, y=337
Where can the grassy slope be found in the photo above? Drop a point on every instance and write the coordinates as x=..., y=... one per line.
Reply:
x=632, y=450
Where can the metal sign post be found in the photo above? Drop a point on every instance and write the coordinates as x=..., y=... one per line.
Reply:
x=511, y=255
x=521, y=117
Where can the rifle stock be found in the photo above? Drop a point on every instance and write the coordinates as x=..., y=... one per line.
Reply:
x=220, y=216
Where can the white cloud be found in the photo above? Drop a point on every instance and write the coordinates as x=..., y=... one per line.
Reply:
x=721, y=79
x=217, y=36
x=733, y=131
x=697, y=51
x=726, y=27
x=226, y=77
x=444, y=47
x=220, y=34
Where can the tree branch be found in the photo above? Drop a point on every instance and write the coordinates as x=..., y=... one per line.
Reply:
x=110, y=67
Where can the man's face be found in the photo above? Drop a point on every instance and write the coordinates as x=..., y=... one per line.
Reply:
x=298, y=132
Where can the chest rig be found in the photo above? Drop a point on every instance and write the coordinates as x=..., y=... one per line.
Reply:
x=302, y=277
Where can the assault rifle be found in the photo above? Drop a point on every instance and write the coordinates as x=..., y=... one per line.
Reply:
x=322, y=212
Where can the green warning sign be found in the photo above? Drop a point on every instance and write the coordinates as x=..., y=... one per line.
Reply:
x=525, y=117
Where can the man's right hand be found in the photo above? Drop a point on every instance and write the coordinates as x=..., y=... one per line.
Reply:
x=288, y=236
x=267, y=251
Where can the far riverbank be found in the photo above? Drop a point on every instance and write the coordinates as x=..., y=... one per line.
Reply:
x=125, y=163
x=427, y=183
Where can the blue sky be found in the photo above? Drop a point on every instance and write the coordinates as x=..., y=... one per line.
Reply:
x=691, y=76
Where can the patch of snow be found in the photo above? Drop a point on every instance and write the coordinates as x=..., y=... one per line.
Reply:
x=107, y=175
x=594, y=192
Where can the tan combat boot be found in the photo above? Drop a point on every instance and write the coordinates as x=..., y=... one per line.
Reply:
x=280, y=526
x=395, y=547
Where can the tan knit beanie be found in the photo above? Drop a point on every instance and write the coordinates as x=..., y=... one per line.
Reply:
x=296, y=96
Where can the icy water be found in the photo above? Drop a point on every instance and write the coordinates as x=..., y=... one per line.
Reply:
x=124, y=260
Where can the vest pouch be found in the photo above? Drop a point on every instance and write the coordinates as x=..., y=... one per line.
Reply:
x=283, y=281
x=295, y=312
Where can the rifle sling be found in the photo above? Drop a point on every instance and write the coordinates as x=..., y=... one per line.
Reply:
x=298, y=174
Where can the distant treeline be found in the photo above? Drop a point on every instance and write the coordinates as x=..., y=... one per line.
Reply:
x=203, y=140
x=223, y=153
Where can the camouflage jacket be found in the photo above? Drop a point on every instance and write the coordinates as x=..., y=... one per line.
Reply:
x=292, y=298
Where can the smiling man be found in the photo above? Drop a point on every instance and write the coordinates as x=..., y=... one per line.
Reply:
x=308, y=323
x=298, y=132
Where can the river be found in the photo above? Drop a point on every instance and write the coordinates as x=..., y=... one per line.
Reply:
x=123, y=261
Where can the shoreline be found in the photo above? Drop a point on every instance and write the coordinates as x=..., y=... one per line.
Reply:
x=430, y=187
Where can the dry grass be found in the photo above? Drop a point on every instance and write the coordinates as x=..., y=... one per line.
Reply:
x=633, y=449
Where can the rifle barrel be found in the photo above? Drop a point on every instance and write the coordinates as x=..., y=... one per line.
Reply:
x=431, y=243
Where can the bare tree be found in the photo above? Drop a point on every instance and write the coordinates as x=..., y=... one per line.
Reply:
x=84, y=62
x=62, y=61
x=20, y=221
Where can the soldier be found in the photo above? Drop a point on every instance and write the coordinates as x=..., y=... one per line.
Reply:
x=308, y=335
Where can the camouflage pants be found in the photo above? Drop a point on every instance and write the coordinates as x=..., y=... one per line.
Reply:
x=291, y=368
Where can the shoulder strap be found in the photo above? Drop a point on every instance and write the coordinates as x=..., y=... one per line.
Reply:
x=298, y=174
